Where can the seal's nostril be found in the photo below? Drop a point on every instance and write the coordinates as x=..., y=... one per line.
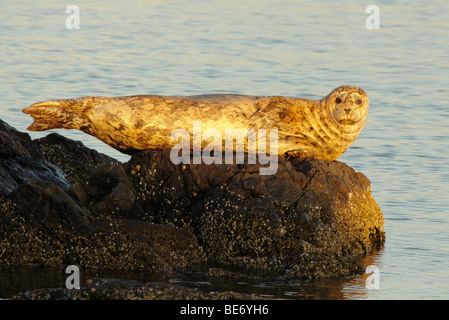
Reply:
x=347, y=110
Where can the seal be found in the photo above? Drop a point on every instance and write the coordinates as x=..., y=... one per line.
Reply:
x=320, y=129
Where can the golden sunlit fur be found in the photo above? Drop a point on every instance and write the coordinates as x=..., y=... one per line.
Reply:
x=322, y=129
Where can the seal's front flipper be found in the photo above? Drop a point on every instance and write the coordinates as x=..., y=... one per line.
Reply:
x=298, y=154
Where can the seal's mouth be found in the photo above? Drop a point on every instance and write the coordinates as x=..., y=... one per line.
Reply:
x=347, y=122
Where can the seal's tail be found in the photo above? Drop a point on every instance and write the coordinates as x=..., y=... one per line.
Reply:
x=52, y=114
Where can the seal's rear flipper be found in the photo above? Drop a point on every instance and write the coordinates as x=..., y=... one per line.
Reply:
x=52, y=114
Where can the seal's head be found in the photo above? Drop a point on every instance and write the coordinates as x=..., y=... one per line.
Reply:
x=348, y=106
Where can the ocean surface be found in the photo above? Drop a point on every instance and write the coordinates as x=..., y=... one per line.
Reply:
x=265, y=47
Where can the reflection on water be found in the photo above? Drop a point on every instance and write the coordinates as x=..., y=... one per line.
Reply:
x=19, y=279
x=292, y=48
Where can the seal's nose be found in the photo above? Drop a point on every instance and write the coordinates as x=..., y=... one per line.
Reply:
x=347, y=110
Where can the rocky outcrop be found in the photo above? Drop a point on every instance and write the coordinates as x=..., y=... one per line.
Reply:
x=114, y=289
x=62, y=203
x=21, y=159
x=311, y=218
x=66, y=216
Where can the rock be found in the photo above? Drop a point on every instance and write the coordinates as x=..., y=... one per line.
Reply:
x=42, y=223
x=76, y=160
x=109, y=193
x=62, y=203
x=21, y=159
x=43, y=203
x=98, y=182
x=16, y=144
x=114, y=289
x=311, y=219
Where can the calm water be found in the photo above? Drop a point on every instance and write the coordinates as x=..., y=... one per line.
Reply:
x=291, y=48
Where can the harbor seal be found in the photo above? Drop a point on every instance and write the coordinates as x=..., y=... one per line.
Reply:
x=320, y=129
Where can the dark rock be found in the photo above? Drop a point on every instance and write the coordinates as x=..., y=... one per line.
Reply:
x=114, y=289
x=76, y=160
x=171, y=248
x=21, y=159
x=311, y=219
x=89, y=224
x=98, y=182
x=41, y=224
x=109, y=193
x=45, y=204
x=14, y=143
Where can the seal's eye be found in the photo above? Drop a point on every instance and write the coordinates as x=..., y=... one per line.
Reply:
x=338, y=100
x=358, y=102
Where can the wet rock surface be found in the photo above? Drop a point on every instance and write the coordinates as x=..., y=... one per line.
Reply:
x=21, y=159
x=115, y=289
x=310, y=219
x=62, y=203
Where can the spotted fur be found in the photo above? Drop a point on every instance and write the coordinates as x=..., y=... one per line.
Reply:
x=322, y=129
